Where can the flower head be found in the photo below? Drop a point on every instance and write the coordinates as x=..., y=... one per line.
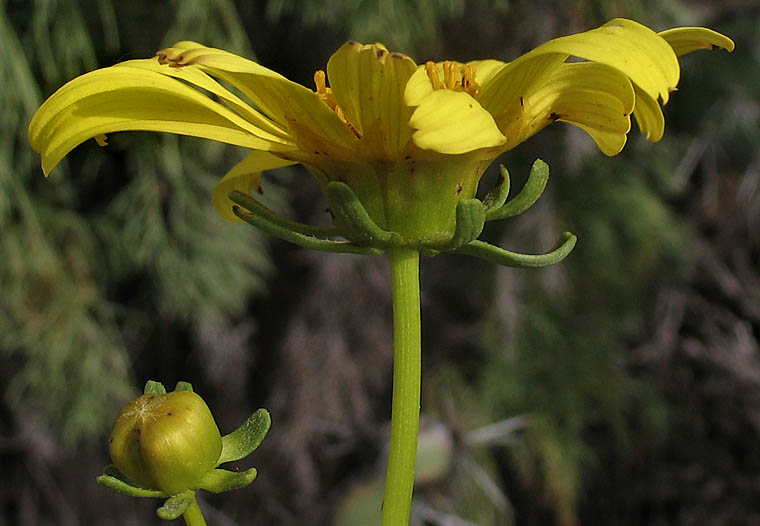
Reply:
x=410, y=140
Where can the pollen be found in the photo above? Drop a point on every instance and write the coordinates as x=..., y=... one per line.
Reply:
x=454, y=76
x=326, y=94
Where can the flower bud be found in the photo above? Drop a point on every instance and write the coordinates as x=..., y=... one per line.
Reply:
x=166, y=441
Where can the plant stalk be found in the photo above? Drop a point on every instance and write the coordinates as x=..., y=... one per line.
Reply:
x=193, y=515
x=405, y=413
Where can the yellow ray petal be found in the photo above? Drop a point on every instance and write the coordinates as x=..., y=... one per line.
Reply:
x=285, y=102
x=520, y=78
x=595, y=97
x=687, y=39
x=417, y=87
x=452, y=122
x=632, y=48
x=197, y=77
x=128, y=98
x=243, y=177
x=649, y=117
x=188, y=52
x=368, y=83
x=650, y=65
x=609, y=142
x=486, y=69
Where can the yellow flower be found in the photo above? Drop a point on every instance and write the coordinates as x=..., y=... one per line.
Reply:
x=411, y=141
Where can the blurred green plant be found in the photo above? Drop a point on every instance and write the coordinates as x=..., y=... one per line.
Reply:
x=562, y=375
x=91, y=260
x=400, y=24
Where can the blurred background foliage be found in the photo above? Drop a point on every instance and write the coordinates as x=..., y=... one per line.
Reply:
x=620, y=387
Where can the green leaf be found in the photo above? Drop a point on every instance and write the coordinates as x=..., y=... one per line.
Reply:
x=534, y=187
x=255, y=207
x=241, y=442
x=498, y=255
x=470, y=218
x=115, y=480
x=154, y=388
x=305, y=241
x=350, y=216
x=498, y=194
x=176, y=505
x=220, y=480
x=184, y=386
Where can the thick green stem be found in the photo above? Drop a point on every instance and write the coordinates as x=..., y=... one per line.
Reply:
x=405, y=416
x=193, y=515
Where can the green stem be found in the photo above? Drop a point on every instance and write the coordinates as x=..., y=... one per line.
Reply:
x=193, y=515
x=405, y=416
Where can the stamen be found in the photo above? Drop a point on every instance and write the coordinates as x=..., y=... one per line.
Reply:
x=432, y=73
x=449, y=74
x=101, y=139
x=326, y=94
x=469, y=84
x=320, y=82
x=456, y=77
x=342, y=116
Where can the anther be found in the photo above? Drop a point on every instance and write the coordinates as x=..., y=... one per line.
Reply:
x=320, y=82
x=342, y=116
x=432, y=73
x=449, y=74
x=469, y=84
x=325, y=93
x=456, y=77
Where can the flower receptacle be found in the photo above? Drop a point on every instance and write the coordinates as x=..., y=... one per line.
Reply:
x=414, y=198
x=444, y=224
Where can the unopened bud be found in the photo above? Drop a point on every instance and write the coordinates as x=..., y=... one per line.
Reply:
x=166, y=441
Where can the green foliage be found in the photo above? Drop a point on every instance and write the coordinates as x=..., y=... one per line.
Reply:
x=60, y=42
x=212, y=23
x=137, y=212
x=56, y=329
x=479, y=499
x=162, y=228
x=403, y=25
x=567, y=366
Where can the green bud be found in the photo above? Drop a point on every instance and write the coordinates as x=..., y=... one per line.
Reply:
x=166, y=441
